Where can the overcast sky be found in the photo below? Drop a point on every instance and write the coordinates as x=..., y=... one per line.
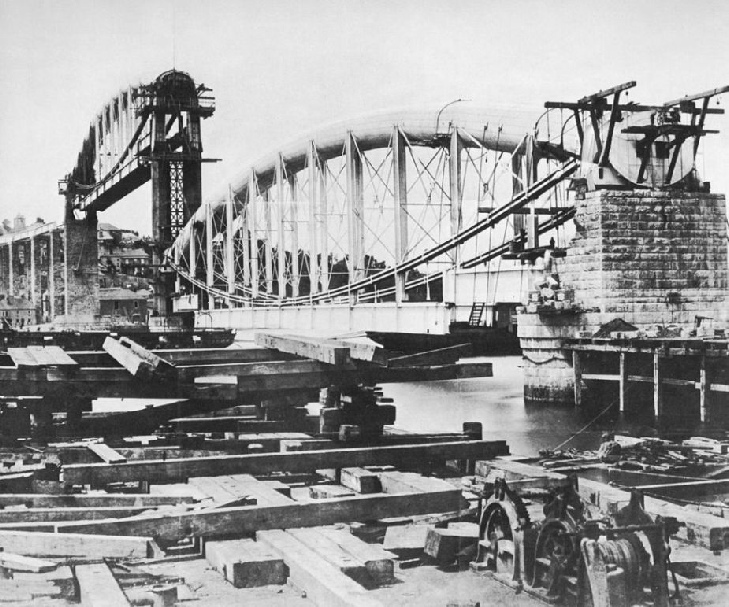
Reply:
x=279, y=68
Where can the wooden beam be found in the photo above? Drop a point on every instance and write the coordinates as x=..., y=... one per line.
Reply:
x=97, y=546
x=245, y=563
x=98, y=587
x=251, y=369
x=244, y=520
x=139, y=361
x=107, y=500
x=321, y=580
x=200, y=356
x=331, y=552
x=700, y=528
x=294, y=461
x=360, y=480
x=106, y=453
x=230, y=423
x=18, y=562
x=378, y=563
x=441, y=356
x=364, y=348
x=324, y=350
x=31, y=516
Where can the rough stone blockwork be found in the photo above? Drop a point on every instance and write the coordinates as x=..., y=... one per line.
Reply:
x=650, y=257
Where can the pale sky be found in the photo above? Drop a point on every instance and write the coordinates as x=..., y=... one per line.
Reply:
x=279, y=68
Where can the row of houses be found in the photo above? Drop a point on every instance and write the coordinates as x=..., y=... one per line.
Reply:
x=124, y=263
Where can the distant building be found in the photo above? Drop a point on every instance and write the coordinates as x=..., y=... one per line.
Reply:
x=124, y=305
x=17, y=312
x=120, y=251
x=109, y=234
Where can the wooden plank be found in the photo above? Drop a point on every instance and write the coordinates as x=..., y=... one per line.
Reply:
x=22, y=357
x=19, y=562
x=222, y=495
x=137, y=360
x=266, y=493
x=97, y=546
x=52, y=356
x=248, y=519
x=245, y=563
x=106, y=453
x=324, y=350
x=295, y=461
x=332, y=552
x=441, y=356
x=98, y=587
x=225, y=490
x=105, y=500
x=321, y=581
x=400, y=482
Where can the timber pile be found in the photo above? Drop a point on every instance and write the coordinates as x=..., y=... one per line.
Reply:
x=258, y=518
x=264, y=489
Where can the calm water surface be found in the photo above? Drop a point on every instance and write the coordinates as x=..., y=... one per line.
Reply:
x=498, y=403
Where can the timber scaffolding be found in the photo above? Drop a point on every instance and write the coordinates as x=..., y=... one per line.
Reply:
x=681, y=377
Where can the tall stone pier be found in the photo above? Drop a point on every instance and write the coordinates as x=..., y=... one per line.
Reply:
x=81, y=267
x=649, y=257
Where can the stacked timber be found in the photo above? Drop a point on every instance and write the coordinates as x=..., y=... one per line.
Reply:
x=356, y=413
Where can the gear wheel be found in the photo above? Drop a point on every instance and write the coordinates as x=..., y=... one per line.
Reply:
x=504, y=517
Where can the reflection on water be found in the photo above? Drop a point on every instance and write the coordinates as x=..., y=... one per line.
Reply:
x=498, y=403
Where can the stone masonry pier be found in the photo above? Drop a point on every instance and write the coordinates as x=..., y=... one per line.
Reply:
x=651, y=258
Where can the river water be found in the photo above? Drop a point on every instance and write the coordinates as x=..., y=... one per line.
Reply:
x=498, y=403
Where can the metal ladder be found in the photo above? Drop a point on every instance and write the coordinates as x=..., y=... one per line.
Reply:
x=477, y=308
